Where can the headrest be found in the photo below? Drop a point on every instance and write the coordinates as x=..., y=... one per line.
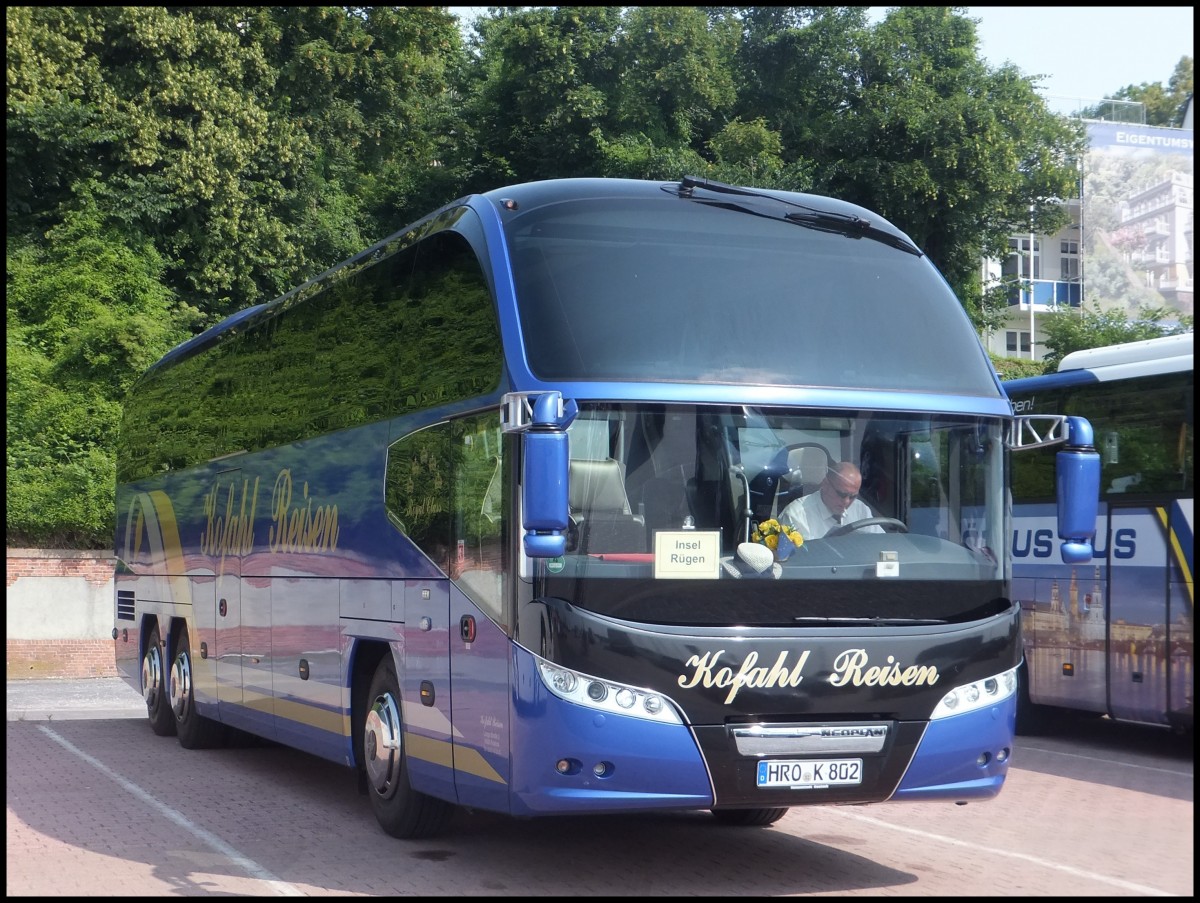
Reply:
x=598, y=487
x=811, y=461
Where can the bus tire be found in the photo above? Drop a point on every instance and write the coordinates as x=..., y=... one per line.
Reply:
x=194, y=730
x=401, y=811
x=748, y=818
x=154, y=687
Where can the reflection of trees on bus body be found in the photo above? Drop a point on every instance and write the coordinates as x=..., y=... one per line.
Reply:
x=336, y=359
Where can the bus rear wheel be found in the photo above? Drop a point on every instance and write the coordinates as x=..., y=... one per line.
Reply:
x=154, y=687
x=401, y=811
x=195, y=731
x=748, y=818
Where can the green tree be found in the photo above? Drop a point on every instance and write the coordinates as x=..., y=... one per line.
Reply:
x=1165, y=106
x=798, y=68
x=639, y=92
x=751, y=153
x=218, y=155
x=1016, y=367
x=86, y=312
x=254, y=146
x=1066, y=331
x=371, y=88
x=540, y=93
x=162, y=111
x=953, y=152
x=676, y=83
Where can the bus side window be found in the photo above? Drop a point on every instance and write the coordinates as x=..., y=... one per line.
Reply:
x=417, y=491
x=477, y=560
x=1146, y=442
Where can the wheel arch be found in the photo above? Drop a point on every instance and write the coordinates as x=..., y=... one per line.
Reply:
x=146, y=627
x=365, y=656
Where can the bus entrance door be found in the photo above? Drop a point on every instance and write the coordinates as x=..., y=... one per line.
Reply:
x=1137, y=644
x=479, y=663
x=425, y=687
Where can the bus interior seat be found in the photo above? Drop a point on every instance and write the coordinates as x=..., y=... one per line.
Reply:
x=600, y=507
x=666, y=501
x=598, y=487
x=807, y=464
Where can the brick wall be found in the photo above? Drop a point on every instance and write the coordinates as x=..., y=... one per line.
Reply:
x=28, y=659
x=94, y=567
x=59, y=614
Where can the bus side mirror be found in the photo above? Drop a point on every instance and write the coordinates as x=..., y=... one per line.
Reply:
x=1077, y=481
x=546, y=460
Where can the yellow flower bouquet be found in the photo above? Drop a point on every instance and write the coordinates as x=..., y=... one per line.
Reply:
x=781, y=539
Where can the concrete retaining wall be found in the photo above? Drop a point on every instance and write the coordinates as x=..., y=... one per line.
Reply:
x=59, y=614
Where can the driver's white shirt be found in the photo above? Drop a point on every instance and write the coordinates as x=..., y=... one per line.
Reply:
x=811, y=517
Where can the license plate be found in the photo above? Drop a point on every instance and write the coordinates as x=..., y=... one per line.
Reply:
x=809, y=773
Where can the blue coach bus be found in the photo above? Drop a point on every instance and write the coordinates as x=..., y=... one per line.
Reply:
x=1112, y=636
x=480, y=513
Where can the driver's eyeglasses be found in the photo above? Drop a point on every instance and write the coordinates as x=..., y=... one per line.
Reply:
x=848, y=496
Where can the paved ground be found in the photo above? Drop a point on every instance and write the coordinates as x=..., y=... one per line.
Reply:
x=98, y=809
x=61, y=700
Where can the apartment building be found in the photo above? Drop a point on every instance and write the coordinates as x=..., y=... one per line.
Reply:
x=1128, y=243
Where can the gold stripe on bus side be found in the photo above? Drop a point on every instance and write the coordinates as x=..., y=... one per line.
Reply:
x=1180, y=557
x=442, y=752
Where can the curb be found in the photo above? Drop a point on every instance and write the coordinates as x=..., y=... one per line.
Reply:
x=102, y=698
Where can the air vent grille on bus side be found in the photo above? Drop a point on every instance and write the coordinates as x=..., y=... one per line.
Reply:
x=125, y=605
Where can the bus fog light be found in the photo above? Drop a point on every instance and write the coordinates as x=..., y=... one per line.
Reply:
x=568, y=766
x=602, y=769
x=1002, y=755
x=983, y=759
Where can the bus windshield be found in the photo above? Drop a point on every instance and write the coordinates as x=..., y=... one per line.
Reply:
x=922, y=539
x=635, y=289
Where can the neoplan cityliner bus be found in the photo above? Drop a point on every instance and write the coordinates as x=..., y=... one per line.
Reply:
x=474, y=513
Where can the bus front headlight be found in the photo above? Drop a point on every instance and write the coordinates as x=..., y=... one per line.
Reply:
x=607, y=695
x=976, y=695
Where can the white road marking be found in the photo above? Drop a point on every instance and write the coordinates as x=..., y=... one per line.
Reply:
x=1045, y=863
x=248, y=865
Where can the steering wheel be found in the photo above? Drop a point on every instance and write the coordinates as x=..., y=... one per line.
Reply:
x=896, y=526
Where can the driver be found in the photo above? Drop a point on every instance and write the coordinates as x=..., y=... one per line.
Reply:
x=835, y=504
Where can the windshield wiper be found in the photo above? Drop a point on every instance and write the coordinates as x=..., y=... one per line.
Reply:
x=848, y=224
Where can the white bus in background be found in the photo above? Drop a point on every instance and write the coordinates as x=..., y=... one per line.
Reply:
x=1114, y=637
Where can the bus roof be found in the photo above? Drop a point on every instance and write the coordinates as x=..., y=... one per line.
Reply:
x=1145, y=358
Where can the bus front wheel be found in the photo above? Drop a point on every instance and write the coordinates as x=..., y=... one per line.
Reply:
x=748, y=818
x=154, y=687
x=401, y=811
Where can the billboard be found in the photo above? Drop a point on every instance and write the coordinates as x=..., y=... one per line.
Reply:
x=1137, y=218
